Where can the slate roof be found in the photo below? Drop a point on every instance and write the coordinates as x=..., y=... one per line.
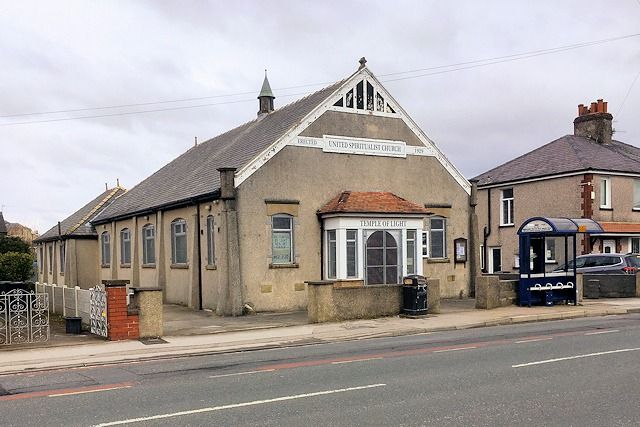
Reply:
x=3, y=226
x=567, y=154
x=77, y=224
x=193, y=174
x=371, y=202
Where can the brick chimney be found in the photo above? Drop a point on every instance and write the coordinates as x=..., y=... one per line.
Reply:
x=594, y=122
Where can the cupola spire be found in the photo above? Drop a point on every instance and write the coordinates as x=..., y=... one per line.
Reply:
x=266, y=97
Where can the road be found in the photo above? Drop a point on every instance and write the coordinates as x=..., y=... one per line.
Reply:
x=582, y=372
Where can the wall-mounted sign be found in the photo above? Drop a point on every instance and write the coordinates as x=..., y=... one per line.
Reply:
x=537, y=226
x=461, y=249
x=371, y=147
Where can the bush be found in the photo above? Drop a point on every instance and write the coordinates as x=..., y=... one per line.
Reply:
x=16, y=267
x=13, y=244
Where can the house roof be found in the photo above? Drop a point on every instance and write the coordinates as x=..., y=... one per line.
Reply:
x=3, y=226
x=567, y=154
x=620, y=227
x=77, y=224
x=193, y=174
x=371, y=202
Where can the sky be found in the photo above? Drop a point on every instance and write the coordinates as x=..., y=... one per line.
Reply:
x=208, y=59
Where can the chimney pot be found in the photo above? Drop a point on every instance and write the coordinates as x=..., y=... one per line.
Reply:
x=604, y=107
x=594, y=107
x=580, y=109
x=600, y=106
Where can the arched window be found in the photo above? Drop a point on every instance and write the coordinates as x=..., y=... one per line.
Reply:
x=148, y=244
x=105, y=245
x=382, y=258
x=211, y=245
x=179, y=241
x=282, y=239
x=125, y=246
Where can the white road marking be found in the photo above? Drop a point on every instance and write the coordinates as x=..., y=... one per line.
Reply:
x=88, y=391
x=603, y=332
x=580, y=356
x=534, y=340
x=340, y=362
x=241, y=373
x=455, y=349
x=237, y=405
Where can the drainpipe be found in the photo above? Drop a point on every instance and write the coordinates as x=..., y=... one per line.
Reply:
x=473, y=235
x=321, y=248
x=199, y=256
x=486, y=232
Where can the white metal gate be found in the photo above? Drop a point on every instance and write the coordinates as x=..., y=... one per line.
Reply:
x=98, y=312
x=24, y=317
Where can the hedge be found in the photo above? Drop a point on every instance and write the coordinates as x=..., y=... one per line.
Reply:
x=15, y=266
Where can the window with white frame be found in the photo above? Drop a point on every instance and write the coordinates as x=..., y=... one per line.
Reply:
x=506, y=203
x=605, y=193
x=282, y=239
x=211, y=244
x=125, y=247
x=352, y=253
x=550, y=250
x=411, y=245
x=179, y=241
x=482, y=257
x=105, y=245
x=332, y=253
x=635, y=245
x=364, y=96
x=41, y=258
x=148, y=245
x=425, y=244
x=62, y=256
x=51, y=258
x=383, y=262
x=438, y=247
x=636, y=194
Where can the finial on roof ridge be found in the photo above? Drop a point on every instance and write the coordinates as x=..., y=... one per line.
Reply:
x=363, y=63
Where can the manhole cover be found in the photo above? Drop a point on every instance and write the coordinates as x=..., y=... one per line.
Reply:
x=151, y=341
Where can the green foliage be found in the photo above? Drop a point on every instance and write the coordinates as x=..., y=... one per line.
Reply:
x=13, y=244
x=16, y=266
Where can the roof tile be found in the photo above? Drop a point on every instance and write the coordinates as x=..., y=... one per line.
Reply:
x=371, y=202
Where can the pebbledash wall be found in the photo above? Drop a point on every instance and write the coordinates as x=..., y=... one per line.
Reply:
x=375, y=152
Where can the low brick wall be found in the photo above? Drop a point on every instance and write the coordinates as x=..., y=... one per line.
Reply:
x=334, y=301
x=611, y=285
x=122, y=325
x=491, y=292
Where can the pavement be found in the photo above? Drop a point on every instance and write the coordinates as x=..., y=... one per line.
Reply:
x=196, y=333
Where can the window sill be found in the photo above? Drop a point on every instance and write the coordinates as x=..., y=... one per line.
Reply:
x=438, y=260
x=211, y=267
x=276, y=266
x=148, y=266
x=128, y=265
x=106, y=266
x=62, y=273
x=551, y=261
x=506, y=225
x=635, y=209
x=179, y=266
x=605, y=208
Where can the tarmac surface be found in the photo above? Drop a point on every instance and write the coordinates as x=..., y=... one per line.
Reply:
x=191, y=332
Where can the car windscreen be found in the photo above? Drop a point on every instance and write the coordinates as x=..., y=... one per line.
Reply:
x=633, y=260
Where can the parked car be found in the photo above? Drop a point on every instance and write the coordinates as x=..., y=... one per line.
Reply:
x=605, y=263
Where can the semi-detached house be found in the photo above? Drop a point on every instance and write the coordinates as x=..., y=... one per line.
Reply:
x=584, y=175
x=341, y=185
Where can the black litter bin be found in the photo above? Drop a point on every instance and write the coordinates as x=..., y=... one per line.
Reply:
x=414, y=295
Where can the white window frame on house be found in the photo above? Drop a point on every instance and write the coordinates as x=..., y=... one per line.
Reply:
x=351, y=233
x=105, y=249
x=332, y=254
x=482, y=254
x=178, y=234
x=411, y=244
x=636, y=194
x=62, y=256
x=605, y=193
x=148, y=245
x=435, y=232
x=506, y=207
x=550, y=251
x=51, y=257
x=211, y=243
x=41, y=259
x=282, y=240
x=125, y=247
x=492, y=267
x=425, y=243
x=634, y=241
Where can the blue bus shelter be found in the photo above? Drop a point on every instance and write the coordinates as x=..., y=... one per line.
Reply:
x=537, y=285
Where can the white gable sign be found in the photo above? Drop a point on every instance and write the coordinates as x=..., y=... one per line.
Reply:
x=371, y=147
